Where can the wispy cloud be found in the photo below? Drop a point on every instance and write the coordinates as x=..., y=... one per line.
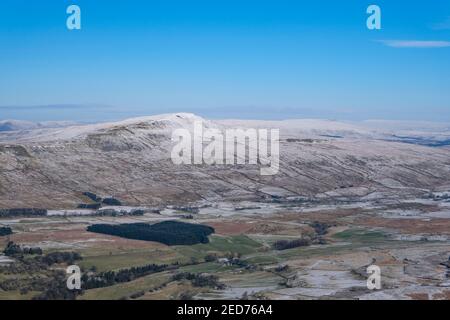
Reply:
x=415, y=43
x=54, y=107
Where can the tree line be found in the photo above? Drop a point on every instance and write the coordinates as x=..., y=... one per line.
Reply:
x=286, y=244
x=167, y=232
x=26, y=212
x=5, y=231
x=200, y=280
x=110, y=278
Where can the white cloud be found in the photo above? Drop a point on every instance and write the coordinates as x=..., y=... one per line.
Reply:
x=415, y=44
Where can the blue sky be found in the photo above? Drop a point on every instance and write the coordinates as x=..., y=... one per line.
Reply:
x=225, y=58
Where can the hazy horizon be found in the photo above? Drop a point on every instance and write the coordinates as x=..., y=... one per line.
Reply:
x=104, y=113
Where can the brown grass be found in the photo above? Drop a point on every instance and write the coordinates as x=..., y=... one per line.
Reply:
x=81, y=236
x=418, y=296
x=231, y=227
x=445, y=295
x=411, y=226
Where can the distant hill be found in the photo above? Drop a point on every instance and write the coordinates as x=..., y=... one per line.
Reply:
x=20, y=125
x=51, y=168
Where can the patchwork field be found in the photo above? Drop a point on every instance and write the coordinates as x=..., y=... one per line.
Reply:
x=250, y=256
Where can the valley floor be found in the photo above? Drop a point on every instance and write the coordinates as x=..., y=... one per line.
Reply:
x=409, y=240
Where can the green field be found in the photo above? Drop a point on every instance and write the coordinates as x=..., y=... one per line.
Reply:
x=15, y=295
x=220, y=245
x=120, y=260
x=122, y=290
x=361, y=236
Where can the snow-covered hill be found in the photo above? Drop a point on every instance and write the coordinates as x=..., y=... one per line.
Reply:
x=21, y=125
x=424, y=133
x=130, y=159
